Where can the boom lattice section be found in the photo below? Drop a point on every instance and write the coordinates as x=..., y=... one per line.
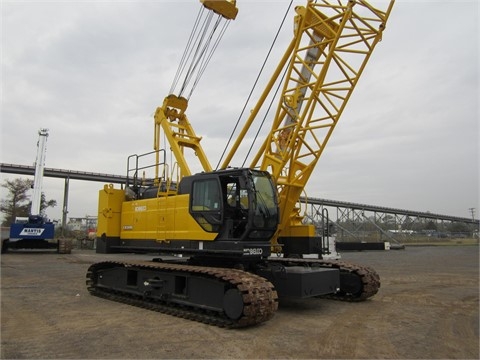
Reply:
x=330, y=50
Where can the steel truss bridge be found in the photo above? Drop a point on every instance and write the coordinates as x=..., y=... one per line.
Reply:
x=351, y=219
x=358, y=222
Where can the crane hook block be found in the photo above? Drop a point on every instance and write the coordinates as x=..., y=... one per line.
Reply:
x=225, y=8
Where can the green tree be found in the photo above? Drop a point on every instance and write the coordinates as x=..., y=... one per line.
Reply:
x=458, y=227
x=17, y=201
x=44, y=203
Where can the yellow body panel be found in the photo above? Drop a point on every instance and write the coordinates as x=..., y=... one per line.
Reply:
x=162, y=219
x=304, y=230
x=109, y=211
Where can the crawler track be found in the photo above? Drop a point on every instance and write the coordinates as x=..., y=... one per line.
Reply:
x=260, y=300
x=367, y=278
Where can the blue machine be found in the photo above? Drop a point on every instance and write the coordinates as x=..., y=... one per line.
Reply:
x=34, y=231
x=32, y=234
x=36, y=228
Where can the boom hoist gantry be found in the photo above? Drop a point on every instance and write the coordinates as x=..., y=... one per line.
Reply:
x=225, y=222
x=170, y=118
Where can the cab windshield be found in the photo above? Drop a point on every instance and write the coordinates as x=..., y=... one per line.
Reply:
x=265, y=202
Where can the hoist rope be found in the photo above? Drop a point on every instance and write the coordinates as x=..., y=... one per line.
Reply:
x=265, y=117
x=251, y=93
x=182, y=64
x=197, y=56
x=200, y=48
x=208, y=58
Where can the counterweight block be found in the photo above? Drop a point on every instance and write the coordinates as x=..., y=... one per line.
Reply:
x=302, y=282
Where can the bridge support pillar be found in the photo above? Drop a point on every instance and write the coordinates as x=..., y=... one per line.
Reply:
x=65, y=205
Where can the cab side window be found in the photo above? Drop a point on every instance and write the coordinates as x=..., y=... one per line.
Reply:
x=206, y=195
x=206, y=204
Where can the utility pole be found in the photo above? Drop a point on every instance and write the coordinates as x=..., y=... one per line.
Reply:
x=472, y=211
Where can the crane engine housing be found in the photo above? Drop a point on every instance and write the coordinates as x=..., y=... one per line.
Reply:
x=231, y=212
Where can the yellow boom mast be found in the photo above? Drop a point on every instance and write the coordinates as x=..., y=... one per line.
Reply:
x=331, y=46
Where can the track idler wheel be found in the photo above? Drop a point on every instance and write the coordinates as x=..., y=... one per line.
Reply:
x=233, y=303
x=351, y=284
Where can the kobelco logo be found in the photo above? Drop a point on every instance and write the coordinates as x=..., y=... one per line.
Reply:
x=32, y=231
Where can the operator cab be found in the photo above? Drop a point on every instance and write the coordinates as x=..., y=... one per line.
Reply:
x=238, y=204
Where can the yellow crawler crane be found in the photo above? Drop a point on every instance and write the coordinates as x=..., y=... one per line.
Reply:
x=224, y=223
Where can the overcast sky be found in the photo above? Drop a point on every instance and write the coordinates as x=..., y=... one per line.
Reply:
x=94, y=72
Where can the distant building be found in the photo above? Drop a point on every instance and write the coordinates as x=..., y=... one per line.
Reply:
x=83, y=227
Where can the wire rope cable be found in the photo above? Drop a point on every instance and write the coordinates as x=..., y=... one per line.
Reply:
x=253, y=89
x=197, y=53
x=202, y=44
x=207, y=59
x=185, y=56
x=264, y=117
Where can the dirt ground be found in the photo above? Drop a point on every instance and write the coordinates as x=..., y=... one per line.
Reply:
x=427, y=307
